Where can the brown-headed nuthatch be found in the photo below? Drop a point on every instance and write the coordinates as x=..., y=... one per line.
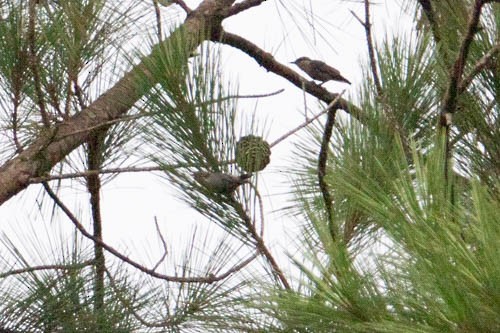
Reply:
x=318, y=70
x=219, y=182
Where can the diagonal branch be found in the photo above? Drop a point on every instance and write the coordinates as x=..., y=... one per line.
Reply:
x=481, y=64
x=208, y=279
x=183, y=5
x=450, y=99
x=453, y=92
x=322, y=158
x=260, y=244
x=242, y=6
x=53, y=145
x=267, y=61
x=431, y=18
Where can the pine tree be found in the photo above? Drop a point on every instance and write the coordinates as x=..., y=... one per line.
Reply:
x=396, y=193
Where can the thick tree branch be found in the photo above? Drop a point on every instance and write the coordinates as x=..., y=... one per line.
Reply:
x=267, y=61
x=450, y=99
x=55, y=144
x=242, y=6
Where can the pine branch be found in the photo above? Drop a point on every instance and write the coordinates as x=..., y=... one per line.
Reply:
x=267, y=61
x=208, y=279
x=47, y=150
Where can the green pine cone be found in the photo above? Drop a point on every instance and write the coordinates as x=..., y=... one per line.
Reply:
x=252, y=153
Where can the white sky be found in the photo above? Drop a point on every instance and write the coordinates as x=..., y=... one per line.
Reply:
x=132, y=201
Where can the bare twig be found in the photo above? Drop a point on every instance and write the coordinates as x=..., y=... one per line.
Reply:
x=261, y=208
x=116, y=253
x=87, y=173
x=158, y=19
x=478, y=67
x=163, y=242
x=47, y=267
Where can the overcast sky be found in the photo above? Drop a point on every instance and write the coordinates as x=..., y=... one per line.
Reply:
x=132, y=201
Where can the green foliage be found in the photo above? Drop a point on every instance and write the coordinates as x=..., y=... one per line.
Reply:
x=436, y=270
x=415, y=205
x=419, y=230
x=61, y=298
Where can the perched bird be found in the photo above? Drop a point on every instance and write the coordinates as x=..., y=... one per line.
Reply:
x=318, y=70
x=218, y=182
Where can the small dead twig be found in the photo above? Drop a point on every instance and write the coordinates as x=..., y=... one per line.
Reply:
x=119, y=255
x=163, y=242
x=33, y=61
x=47, y=267
x=369, y=41
x=308, y=121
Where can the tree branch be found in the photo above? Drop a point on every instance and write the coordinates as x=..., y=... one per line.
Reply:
x=369, y=41
x=158, y=20
x=261, y=246
x=480, y=65
x=53, y=145
x=208, y=279
x=46, y=267
x=267, y=61
x=322, y=159
x=183, y=5
x=242, y=6
x=429, y=13
x=456, y=72
x=450, y=99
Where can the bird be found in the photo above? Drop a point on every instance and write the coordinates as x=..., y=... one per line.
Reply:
x=222, y=183
x=318, y=70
